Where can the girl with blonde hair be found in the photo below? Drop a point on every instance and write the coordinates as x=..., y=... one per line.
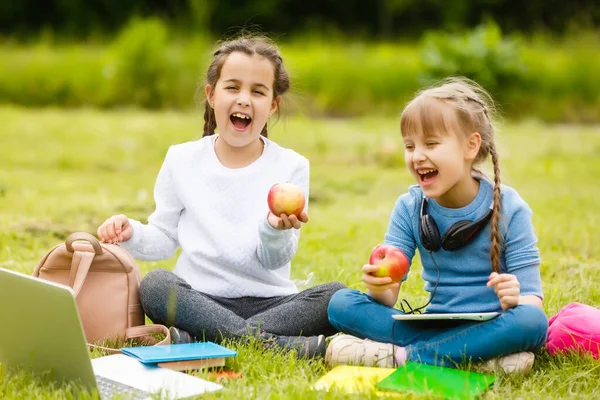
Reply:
x=476, y=243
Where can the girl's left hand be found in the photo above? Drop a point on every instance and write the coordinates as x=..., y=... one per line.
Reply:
x=286, y=221
x=507, y=288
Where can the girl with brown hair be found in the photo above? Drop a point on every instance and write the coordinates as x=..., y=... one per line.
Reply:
x=232, y=278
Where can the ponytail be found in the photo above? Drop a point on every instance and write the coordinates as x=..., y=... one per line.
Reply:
x=210, y=123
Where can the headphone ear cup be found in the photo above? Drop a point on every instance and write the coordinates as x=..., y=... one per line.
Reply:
x=430, y=234
x=457, y=235
x=462, y=232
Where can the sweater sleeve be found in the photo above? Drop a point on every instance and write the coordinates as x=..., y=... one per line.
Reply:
x=522, y=257
x=276, y=247
x=157, y=240
x=400, y=233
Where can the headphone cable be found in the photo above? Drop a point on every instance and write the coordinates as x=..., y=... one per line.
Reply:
x=404, y=302
x=416, y=310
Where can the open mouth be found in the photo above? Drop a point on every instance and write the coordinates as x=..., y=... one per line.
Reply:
x=427, y=175
x=240, y=121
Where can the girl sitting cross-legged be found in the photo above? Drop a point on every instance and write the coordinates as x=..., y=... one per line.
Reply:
x=474, y=232
x=232, y=278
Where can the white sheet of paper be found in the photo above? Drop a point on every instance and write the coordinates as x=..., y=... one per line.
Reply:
x=171, y=384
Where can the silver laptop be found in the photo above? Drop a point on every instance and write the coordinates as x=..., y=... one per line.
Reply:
x=482, y=316
x=42, y=333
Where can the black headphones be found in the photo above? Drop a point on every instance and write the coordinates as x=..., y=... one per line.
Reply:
x=457, y=236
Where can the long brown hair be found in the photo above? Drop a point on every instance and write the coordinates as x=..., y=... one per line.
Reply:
x=249, y=45
x=463, y=104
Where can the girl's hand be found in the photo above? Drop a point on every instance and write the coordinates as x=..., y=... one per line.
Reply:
x=507, y=288
x=287, y=221
x=115, y=229
x=374, y=283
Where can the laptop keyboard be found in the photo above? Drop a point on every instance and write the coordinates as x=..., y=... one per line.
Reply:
x=107, y=388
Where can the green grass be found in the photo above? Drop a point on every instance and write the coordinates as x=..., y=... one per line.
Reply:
x=65, y=171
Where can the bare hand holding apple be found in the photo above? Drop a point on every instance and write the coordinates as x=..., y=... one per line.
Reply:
x=390, y=262
x=287, y=222
x=286, y=202
x=377, y=284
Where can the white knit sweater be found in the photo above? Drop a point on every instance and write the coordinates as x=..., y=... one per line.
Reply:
x=218, y=217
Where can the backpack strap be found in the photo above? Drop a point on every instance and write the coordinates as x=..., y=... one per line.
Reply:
x=80, y=266
x=142, y=333
x=82, y=260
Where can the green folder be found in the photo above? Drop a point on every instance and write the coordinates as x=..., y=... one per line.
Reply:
x=431, y=380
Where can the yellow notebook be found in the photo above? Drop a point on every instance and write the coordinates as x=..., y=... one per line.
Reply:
x=353, y=379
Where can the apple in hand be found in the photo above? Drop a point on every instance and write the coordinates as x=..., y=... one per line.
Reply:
x=390, y=261
x=286, y=198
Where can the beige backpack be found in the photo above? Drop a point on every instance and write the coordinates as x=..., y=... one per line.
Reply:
x=105, y=281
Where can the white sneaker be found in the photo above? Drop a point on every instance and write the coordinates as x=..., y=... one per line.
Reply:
x=350, y=350
x=516, y=363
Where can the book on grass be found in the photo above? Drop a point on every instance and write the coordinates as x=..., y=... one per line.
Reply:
x=425, y=379
x=187, y=365
x=181, y=357
x=352, y=379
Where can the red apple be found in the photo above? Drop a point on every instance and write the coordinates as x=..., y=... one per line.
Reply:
x=391, y=261
x=286, y=198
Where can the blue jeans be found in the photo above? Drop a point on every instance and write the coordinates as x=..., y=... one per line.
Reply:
x=522, y=328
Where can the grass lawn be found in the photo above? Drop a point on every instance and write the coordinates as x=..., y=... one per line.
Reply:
x=65, y=171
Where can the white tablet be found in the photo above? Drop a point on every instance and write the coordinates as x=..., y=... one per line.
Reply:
x=482, y=316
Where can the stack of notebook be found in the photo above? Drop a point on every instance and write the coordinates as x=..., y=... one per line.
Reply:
x=182, y=357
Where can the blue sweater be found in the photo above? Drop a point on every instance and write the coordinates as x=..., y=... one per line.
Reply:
x=464, y=272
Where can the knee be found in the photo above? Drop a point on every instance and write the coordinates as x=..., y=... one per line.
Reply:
x=156, y=287
x=153, y=282
x=342, y=302
x=532, y=324
x=335, y=287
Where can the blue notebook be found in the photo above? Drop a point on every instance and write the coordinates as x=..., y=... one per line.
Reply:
x=178, y=352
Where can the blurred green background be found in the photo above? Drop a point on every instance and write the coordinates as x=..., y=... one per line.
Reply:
x=347, y=58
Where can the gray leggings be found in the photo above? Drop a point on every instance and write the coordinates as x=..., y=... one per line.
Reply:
x=168, y=299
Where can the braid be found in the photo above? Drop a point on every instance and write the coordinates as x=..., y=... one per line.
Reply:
x=210, y=123
x=496, y=235
x=481, y=103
